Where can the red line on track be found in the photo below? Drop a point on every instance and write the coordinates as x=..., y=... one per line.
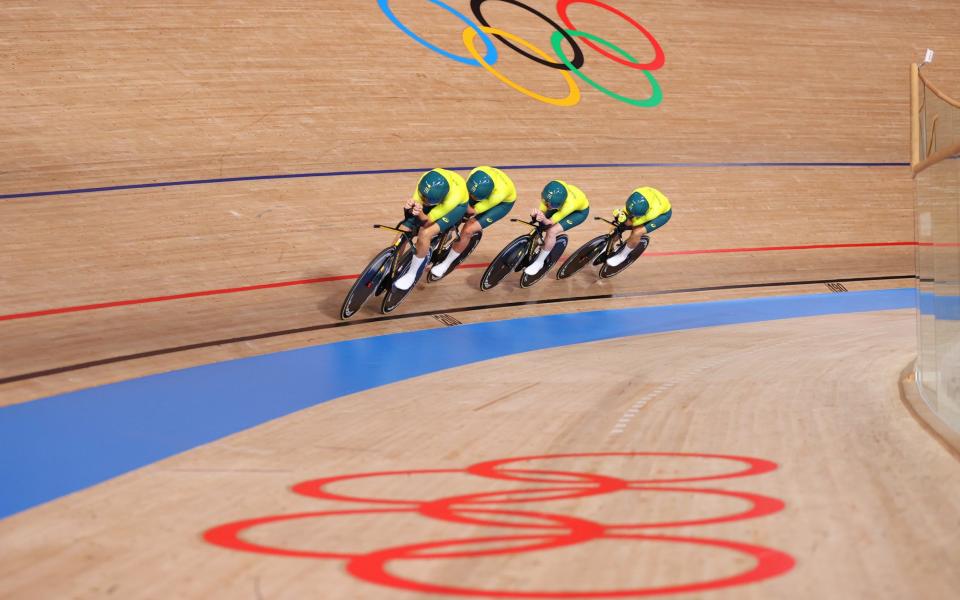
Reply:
x=280, y=284
x=782, y=248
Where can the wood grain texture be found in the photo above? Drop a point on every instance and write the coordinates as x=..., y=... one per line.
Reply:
x=97, y=94
x=867, y=490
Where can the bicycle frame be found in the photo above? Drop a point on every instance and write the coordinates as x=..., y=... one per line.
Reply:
x=405, y=237
x=615, y=236
x=535, y=234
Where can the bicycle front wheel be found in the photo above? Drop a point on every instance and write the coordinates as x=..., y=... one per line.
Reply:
x=583, y=256
x=505, y=262
x=367, y=283
x=555, y=254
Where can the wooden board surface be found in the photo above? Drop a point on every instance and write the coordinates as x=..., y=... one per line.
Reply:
x=864, y=485
x=103, y=95
x=145, y=97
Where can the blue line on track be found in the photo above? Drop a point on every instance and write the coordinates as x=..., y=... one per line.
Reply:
x=682, y=165
x=55, y=446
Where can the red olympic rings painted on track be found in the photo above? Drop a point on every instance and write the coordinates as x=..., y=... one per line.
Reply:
x=491, y=469
x=372, y=568
x=539, y=531
x=532, y=52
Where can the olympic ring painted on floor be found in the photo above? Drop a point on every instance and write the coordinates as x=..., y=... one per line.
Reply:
x=539, y=531
x=528, y=50
x=372, y=568
x=491, y=468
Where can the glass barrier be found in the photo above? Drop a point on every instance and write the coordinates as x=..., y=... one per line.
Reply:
x=937, y=177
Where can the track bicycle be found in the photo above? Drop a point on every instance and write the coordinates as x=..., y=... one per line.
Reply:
x=600, y=248
x=447, y=240
x=519, y=253
x=392, y=262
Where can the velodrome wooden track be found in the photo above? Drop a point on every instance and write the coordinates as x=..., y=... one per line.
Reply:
x=187, y=183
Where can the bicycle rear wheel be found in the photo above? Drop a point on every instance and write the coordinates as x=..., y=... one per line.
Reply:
x=583, y=256
x=555, y=254
x=394, y=295
x=474, y=242
x=367, y=283
x=505, y=262
x=606, y=271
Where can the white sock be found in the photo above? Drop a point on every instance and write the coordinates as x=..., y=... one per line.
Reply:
x=441, y=269
x=415, y=263
x=619, y=257
x=537, y=264
x=451, y=256
x=405, y=282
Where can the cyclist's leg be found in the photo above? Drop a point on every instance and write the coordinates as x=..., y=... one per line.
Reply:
x=565, y=224
x=494, y=214
x=550, y=239
x=451, y=219
x=469, y=228
x=421, y=251
x=424, y=236
x=574, y=219
x=658, y=222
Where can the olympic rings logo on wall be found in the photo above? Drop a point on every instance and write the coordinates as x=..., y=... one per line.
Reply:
x=565, y=65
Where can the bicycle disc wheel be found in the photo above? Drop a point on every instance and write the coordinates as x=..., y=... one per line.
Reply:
x=474, y=242
x=584, y=255
x=394, y=295
x=367, y=283
x=508, y=258
x=555, y=254
x=606, y=271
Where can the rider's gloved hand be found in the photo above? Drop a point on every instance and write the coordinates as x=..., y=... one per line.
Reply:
x=619, y=215
x=408, y=204
x=416, y=210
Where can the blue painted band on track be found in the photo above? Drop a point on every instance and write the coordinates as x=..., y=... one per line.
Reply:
x=681, y=165
x=55, y=446
x=944, y=307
